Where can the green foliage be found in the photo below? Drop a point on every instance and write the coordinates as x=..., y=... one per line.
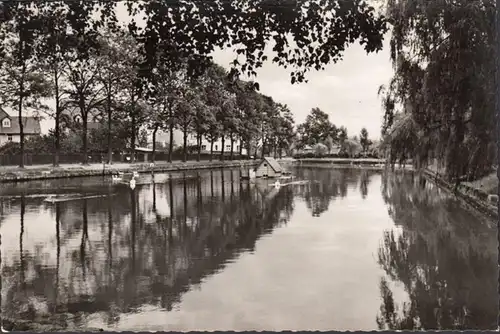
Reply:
x=22, y=84
x=319, y=30
x=363, y=139
x=443, y=81
x=317, y=128
x=160, y=75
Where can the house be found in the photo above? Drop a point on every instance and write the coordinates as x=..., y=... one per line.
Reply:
x=268, y=167
x=71, y=120
x=9, y=128
x=307, y=149
x=163, y=137
x=335, y=149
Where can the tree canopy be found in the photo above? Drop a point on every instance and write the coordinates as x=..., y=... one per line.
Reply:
x=304, y=34
x=443, y=56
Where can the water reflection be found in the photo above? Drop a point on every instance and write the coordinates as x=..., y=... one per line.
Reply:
x=419, y=261
x=329, y=184
x=444, y=256
x=133, y=247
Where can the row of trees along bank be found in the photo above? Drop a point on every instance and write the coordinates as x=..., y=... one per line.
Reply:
x=440, y=103
x=155, y=70
x=322, y=135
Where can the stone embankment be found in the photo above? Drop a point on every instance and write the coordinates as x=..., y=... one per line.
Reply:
x=478, y=199
x=29, y=173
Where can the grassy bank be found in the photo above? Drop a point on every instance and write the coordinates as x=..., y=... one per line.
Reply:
x=43, y=172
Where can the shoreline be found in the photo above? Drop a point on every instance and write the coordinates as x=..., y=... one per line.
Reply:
x=34, y=173
x=464, y=193
x=346, y=163
x=474, y=197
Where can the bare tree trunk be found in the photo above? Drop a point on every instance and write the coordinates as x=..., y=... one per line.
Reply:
x=211, y=150
x=110, y=134
x=222, y=149
x=84, y=114
x=171, y=143
x=57, y=129
x=171, y=130
x=185, y=135
x=263, y=148
x=154, y=144
x=249, y=147
x=20, y=115
x=132, y=141
x=232, y=147
x=198, y=139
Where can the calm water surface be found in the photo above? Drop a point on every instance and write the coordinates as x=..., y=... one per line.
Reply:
x=351, y=250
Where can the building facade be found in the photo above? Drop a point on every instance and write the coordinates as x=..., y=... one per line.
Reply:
x=164, y=138
x=9, y=128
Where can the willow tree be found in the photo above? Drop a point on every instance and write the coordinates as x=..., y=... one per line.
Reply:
x=443, y=56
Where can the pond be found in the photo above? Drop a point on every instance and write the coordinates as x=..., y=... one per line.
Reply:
x=350, y=249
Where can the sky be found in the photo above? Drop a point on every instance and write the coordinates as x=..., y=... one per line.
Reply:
x=346, y=91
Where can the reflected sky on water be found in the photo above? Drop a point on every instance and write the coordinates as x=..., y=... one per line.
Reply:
x=349, y=250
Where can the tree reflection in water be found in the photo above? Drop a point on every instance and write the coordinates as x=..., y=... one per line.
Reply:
x=329, y=184
x=445, y=256
x=135, y=248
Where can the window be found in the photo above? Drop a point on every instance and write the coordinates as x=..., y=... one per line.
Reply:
x=204, y=147
x=216, y=147
x=228, y=147
x=9, y=137
x=238, y=148
x=6, y=123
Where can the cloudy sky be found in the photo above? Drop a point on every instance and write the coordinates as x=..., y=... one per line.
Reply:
x=347, y=91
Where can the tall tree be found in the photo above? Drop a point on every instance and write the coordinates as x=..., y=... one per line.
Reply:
x=286, y=133
x=317, y=127
x=342, y=136
x=82, y=68
x=114, y=47
x=133, y=89
x=52, y=51
x=163, y=93
x=185, y=114
x=22, y=83
x=203, y=119
x=450, y=105
x=363, y=140
x=248, y=103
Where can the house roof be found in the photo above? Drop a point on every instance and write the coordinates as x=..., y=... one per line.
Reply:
x=31, y=125
x=273, y=163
